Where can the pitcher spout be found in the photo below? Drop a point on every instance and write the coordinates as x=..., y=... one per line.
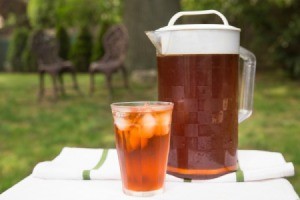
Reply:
x=155, y=38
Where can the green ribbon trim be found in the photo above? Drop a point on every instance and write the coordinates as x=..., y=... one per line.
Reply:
x=239, y=175
x=86, y=173
x=187, y=180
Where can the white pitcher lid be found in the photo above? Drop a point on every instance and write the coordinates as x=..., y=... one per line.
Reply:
x=196, y=38
x=198, y=27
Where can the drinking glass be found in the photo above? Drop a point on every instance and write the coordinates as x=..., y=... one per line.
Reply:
x=142, y=131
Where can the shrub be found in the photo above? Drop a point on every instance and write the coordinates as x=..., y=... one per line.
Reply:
x=82, y=50
x=98, y=50
x=63, y=41
x=28, y=59
x=16, y=47
x=3, y=49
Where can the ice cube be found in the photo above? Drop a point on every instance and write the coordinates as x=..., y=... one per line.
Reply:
x=148, y=123
x=162, y=130
x=134, y=140
x=163, y=123
x=164, y=118
x=121, y=123
x=148, y=120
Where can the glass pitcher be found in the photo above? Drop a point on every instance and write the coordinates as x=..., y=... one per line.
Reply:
x=198, y=70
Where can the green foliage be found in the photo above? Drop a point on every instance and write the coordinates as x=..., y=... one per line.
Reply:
x=3, y=49
x=82, y=50
x=98, y=50
x=73, y=12
x=11, y=20
x=288, y=48
x=271, y=29
x=41, y=13
x=16, y=48
x=63, y=41
x=88, y=12
x=28, y=59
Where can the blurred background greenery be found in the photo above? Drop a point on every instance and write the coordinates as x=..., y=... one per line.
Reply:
x=31, y=132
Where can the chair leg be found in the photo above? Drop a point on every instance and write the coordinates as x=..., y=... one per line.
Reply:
x=92, y=83
x=42, y=86
x=54, y=77
x=125, y=77
x=75, y=84
x=61, y=81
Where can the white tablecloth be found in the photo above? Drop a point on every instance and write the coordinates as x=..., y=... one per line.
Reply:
x=39, y=189
x=71, y=164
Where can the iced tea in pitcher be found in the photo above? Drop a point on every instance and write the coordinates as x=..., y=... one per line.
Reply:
x=142, y=131
x=204, y=89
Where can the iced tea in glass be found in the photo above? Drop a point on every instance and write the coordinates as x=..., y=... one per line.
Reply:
x=142, y=131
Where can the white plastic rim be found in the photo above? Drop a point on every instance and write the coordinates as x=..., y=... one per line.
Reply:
x=141, y=106
x=200, y=42
x=198, y=27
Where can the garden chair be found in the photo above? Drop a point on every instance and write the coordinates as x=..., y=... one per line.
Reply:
x=45, y=49
x=115, y=42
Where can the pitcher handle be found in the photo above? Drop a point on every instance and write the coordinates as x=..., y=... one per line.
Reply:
x=247, y=84
x=199, y=12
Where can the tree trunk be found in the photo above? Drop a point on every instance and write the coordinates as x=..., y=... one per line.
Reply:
x=141, y=16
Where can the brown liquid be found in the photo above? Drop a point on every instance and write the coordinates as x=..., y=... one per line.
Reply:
x=143, y=151
x=204, y=130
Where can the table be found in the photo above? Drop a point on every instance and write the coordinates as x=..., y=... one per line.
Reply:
x=39, y=189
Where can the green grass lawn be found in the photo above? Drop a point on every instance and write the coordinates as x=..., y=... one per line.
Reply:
x=31, y=132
